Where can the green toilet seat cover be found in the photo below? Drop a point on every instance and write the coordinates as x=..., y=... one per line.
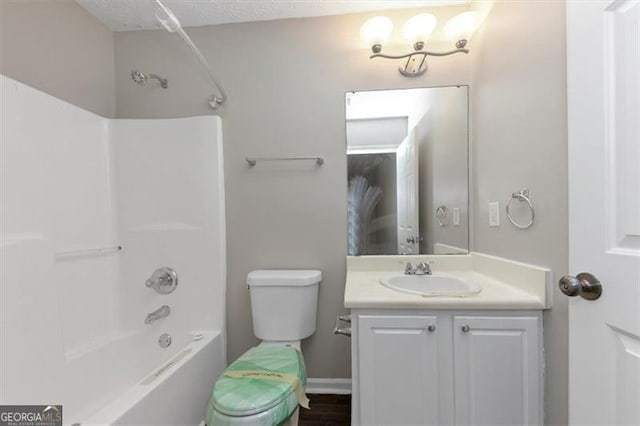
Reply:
x=245, y=396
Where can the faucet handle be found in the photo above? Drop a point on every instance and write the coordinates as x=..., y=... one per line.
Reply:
x=424, y=268
x=164, y=280
x=408, y=269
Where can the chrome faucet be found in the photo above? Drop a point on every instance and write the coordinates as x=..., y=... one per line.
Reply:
x=422, y=268
x=161, y=312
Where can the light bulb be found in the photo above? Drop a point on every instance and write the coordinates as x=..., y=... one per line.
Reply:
x=375, y=31
x=460, y=27
x=418, y=29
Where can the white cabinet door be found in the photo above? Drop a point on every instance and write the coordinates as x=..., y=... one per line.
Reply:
x=398, y=370
x=497, y=376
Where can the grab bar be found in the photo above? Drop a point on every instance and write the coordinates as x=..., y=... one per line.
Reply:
x=61, y=255
x=254, y=160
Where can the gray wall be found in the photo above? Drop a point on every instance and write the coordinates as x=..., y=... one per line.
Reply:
x=286, y=82
x=442, y=136
x=519, y=140
x=59, y=48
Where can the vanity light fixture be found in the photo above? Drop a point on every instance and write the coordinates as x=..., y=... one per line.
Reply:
x=417, y=30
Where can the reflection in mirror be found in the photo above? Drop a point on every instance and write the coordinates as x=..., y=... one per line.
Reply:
x=407, y=158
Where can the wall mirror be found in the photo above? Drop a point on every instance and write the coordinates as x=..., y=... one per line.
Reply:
x=408, y=174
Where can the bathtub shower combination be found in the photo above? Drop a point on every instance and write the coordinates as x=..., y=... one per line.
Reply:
x=113, y=262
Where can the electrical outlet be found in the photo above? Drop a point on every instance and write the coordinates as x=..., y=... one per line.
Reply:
x=456, y=216
x=494, y=214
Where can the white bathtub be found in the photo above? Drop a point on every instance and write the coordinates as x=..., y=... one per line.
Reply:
x=174, y=393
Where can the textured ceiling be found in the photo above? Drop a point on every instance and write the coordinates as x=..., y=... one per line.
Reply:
x=127, y=15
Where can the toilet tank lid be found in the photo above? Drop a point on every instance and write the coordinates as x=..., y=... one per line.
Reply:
x=284, y=277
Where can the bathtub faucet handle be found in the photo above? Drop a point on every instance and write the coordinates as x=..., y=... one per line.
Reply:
x=163, y=280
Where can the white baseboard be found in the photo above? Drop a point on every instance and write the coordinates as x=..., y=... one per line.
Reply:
x=325, y=386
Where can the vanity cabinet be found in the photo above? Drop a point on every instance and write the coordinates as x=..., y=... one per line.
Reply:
x=447, y=367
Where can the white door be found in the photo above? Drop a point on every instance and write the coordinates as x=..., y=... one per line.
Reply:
x=398, y=371
x=407, y=195
x=603, y=49
x=497, y=370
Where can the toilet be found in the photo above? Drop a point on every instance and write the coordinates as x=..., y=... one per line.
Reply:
x=265, y=386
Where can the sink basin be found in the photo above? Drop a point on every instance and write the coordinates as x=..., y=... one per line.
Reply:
x=431, y=285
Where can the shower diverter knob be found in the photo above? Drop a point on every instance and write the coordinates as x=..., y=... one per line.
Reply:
x=163, y=280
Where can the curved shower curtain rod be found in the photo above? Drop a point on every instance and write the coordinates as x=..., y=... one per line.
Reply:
x=171, y=24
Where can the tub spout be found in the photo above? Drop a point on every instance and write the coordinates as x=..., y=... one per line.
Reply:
x=161, y=312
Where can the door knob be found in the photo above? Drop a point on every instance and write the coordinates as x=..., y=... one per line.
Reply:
x=411, y=240
x=583, y=284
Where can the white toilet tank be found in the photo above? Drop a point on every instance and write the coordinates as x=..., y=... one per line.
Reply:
x=284, y=303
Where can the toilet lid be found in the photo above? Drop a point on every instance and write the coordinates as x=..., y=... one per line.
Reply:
x=243, y=396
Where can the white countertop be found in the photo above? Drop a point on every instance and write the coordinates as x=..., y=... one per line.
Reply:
x=505, y=284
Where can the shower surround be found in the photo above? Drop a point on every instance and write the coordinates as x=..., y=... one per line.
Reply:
x=72, y=326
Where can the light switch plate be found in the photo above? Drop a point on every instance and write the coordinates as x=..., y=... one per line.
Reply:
x=494, y=214
x=456, y=216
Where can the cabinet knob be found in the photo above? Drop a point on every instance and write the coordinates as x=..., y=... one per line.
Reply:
x=465, y=328
x=431, y=328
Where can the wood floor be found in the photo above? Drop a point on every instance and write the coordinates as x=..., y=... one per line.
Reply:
x=326, y=410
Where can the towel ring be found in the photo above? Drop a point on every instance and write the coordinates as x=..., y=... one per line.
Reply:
x=442, y=215
x=522, y=196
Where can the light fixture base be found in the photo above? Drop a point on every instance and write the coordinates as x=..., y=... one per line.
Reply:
x=460, y=44
x=413, y=68
x=376, y=48
x=415, y=73
x=418, y=45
